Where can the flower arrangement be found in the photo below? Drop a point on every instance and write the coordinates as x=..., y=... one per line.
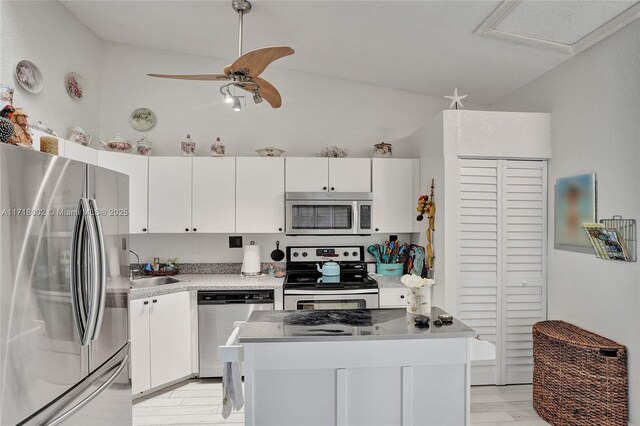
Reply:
x=418, y=294
x=414, y=281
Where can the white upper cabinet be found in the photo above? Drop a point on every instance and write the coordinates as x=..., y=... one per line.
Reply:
x=169, y=194
x=137, y=167
x=350, y=174
x=307, y=174
x=259, y=194
x=75, y=151
x=395, y=192
x=328, y=174
x=214, y=195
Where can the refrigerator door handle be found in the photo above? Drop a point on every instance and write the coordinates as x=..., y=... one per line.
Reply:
x=95, y=272
x=78, y=246
x=101, y=277
x=58, y=420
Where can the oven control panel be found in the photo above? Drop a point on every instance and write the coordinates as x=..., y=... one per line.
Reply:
x=323, y=254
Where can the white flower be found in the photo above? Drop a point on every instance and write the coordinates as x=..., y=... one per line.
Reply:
x=416, y=281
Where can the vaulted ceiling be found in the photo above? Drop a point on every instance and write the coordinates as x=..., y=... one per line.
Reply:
x=428, y=47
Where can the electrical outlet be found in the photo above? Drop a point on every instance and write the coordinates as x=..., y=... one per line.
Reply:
x=235, y=241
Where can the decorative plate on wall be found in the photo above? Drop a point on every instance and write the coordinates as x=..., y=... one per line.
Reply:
x=142, y=119
x=75, y=86
x=29, y=76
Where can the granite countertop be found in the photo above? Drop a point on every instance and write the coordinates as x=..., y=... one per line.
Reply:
x=358, y=324
x=208, y=282
x=387, y=282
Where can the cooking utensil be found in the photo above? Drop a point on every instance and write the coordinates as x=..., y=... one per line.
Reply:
x=277, y=254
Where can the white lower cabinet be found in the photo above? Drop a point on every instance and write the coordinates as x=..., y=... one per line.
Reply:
x=393, y=297
x=160, y=340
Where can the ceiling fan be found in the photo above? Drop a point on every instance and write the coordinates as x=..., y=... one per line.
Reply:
x=244, y=71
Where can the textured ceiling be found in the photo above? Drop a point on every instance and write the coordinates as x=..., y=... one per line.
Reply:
x=423, y=46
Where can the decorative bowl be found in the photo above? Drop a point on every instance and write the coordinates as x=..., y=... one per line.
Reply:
x=117, y=144
x=270, y=151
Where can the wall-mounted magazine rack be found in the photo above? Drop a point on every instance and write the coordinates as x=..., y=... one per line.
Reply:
x=613, y=239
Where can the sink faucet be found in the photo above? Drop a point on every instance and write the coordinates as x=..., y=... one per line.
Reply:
x=132, y=272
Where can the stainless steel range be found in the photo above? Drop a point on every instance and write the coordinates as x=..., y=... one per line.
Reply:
x=306, y=289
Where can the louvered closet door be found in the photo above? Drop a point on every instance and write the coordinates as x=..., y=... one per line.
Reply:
x=523, y=283
x=501, y=274
x=478, y=274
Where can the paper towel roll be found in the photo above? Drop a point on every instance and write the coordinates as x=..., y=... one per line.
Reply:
x=251, y=260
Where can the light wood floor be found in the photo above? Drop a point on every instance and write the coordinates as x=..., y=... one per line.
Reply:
x=199, y=402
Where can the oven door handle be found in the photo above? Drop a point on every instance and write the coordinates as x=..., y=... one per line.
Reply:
x=337, y=292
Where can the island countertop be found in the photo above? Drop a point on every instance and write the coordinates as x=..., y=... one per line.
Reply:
x=342, y=325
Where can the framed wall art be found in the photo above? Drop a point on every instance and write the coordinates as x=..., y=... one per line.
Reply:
x=575, y=204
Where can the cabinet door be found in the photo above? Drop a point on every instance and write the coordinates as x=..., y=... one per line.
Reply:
x=350, y=174
x=75, y=151
x=259, y=195
x=137, y=167
x=170, y=325
x=307, y=174
x=169, y=194
x=393, y=297
x=214, y=195
x=140, y=360
x=395, y=187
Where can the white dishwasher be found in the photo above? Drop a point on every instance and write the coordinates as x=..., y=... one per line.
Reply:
x=217, y=311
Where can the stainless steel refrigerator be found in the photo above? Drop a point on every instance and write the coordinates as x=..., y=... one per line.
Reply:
x=64, y=292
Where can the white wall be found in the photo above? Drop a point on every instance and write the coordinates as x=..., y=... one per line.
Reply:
x=316, y=111
x=594, y=99
x=48, y=35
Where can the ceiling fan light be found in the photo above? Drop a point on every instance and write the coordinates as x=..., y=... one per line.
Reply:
x=228, y=98
x=256, y=97
x=237, y=106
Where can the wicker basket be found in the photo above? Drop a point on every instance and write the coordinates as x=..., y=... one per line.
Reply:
x=579, y=378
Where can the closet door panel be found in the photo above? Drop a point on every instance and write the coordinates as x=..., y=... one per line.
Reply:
x=523, y=262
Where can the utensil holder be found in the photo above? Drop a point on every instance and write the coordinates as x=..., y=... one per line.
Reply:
x=390, y=269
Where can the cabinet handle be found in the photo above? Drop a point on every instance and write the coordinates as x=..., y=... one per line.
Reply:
x=155, y=300
x=146, y=302
x=195, y=229
x=377, y=229
x=144, y=229
x=324, y=188
x=280, y=229
x=332, y=188
x=186, y=229
x=402, y=296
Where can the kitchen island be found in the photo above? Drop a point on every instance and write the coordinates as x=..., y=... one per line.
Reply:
x=355, y=367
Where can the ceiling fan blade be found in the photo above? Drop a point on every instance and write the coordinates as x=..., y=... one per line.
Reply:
x=257, y=60
x=267, y=91
x=202, y=77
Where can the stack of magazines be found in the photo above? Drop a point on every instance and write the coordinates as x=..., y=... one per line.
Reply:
x=606, y=242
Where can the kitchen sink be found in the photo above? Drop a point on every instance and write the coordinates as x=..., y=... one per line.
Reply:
x=152, y=282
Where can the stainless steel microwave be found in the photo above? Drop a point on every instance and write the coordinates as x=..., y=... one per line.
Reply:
x=328, y=213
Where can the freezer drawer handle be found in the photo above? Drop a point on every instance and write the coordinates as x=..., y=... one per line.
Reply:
x=88, y=399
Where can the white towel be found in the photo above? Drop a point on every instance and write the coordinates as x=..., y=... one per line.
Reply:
x=232, y=396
